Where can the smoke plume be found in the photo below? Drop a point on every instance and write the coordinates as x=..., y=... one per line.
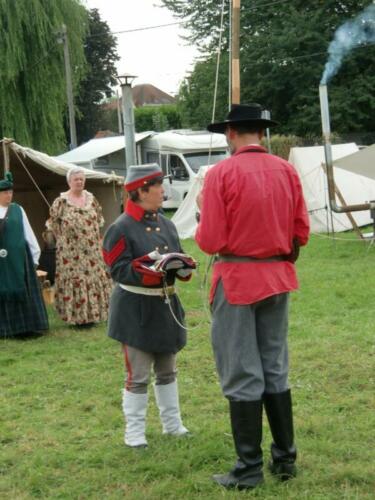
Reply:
x=350, y=35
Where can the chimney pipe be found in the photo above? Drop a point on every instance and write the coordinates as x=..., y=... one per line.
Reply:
x=326, y=130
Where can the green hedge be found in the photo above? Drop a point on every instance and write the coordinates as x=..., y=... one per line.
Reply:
x=158, y=118
x=281, y=144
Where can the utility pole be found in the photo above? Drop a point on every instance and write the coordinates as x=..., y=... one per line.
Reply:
x=230, y=58
x=236, y=94
x=69, y=87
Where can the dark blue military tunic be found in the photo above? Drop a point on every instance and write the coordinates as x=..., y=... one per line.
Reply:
x=142, y=321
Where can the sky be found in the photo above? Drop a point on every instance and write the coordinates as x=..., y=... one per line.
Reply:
x=158, y=56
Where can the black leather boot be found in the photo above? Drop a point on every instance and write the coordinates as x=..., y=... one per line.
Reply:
x=278, y=407
x=246, y=421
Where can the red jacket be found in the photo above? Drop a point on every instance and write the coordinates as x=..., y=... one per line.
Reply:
x=252, y=206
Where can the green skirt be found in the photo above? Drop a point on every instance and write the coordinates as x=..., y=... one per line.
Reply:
x=30, y=315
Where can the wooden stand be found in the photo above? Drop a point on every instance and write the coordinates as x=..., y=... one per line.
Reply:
x=339, y=195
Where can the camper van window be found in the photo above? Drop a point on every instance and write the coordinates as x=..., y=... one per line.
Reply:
x=178, y=169
x=197, y=160
x=163, y=161
x=152, y=157
x=103, y=160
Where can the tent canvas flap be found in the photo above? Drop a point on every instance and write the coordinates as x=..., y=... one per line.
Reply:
x=361, y=162
x=33, y=170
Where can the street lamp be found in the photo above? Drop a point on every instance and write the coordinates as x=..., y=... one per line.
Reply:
x=128, y=117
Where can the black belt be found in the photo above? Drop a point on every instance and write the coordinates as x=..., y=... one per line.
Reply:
x=240, y=258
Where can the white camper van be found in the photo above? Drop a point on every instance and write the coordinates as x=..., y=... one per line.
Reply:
x=181, y=153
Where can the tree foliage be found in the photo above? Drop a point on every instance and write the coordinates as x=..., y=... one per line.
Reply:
x=157, y=118
x=283, y=53
x=32, y=79
x=101, y=56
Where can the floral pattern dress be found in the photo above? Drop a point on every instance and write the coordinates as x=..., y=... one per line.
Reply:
x=82, y=285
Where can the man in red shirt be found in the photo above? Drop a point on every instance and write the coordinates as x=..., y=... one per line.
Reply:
x=254, y=218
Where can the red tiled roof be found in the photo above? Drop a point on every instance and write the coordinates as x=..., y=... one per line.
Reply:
x=145, y=95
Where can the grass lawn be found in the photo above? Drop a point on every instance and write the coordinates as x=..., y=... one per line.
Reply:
x=61, y=427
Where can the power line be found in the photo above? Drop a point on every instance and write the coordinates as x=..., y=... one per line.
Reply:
x=260, y=6
x=144, y=28
x=288, y=59
x=44, y=57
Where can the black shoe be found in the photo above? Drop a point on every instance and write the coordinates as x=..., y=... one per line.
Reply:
x=244, y=481
x=246, y=422
x=278, y=407
x=82, y=326
x=283, y=471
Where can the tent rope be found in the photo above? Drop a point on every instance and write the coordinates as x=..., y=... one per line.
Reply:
x=216, y=77
x=203, y=283
x=32, y=178
x=336, y=238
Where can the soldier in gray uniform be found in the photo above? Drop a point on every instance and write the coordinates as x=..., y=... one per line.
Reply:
x=139, y=315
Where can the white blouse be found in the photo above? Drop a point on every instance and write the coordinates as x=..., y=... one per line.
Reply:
x=28, y=232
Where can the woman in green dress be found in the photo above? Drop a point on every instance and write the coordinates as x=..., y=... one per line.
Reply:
x=22, y=309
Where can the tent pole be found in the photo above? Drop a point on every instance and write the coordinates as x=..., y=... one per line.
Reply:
x=6, y=143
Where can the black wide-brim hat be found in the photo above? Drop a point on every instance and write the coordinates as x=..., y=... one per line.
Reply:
x=244, y=114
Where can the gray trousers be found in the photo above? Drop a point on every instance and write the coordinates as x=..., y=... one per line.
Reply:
x=250, y=346
x=139, y=365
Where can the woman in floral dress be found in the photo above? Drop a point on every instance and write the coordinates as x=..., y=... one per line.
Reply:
x=82, y=285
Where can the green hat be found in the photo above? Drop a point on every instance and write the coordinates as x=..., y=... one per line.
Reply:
x=7, y=183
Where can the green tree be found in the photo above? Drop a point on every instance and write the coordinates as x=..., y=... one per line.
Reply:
x=283, y=53
x=32, y=79
x=101, y=55
x=195, y=99
x=158, y=118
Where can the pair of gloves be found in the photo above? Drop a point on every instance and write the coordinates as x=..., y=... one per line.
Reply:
x=178, y=263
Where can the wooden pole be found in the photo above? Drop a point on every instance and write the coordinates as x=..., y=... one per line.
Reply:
x=6, y=143
x=236, y=5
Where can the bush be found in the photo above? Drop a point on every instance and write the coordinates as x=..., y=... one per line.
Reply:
x=281, y=144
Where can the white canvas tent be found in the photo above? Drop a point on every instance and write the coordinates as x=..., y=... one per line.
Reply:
x=362, y=162
x=354, y=188
x=308, y=163
x=31, y=168
x=184, y=218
